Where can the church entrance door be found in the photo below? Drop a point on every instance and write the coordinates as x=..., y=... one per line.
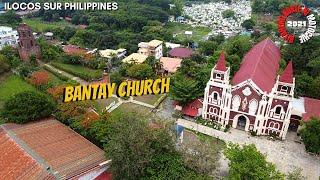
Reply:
x=242, y=123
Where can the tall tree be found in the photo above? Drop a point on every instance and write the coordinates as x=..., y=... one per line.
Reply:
x=248, y=163
x=310, y=135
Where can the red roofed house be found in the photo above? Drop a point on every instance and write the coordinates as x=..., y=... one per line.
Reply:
x=180, y=52
x=256, y=99
x=48, y=150
x=193, y=109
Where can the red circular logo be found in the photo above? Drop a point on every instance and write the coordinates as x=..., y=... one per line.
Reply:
x=282, y=21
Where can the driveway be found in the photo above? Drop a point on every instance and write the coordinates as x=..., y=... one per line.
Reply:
x=286, y=154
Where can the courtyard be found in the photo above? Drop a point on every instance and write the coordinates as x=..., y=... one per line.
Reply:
x=287, y=155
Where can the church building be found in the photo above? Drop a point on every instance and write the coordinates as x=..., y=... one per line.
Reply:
x=256, y=98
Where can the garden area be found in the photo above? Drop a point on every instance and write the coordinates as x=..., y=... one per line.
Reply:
x=79, y=70
x=11, y=85
x=39, y=25
x=198, y=32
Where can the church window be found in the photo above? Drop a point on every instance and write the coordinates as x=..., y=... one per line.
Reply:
x=284, y=88
x=236, y=102
x=253, y=106
x=218, y=76
x=278, y=110
x=215, y=96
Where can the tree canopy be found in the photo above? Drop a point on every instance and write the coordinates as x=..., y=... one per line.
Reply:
x=27, y=106
x=248, y=163
x=310, y=135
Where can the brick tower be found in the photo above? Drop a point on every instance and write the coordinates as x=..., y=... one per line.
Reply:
x=27, y=43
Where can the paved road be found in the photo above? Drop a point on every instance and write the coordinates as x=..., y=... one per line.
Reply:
x=286, y=154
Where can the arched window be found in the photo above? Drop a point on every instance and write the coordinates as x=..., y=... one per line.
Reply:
x=215, y=96
x=253, y=106
x=284, y=88
x=271, y=124
x=276, y=125
x=278, y=110
x=211, y=109
x=215, y=111
x=236, y=102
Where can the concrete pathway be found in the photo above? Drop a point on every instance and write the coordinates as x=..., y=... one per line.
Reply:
x=286, y=154
x=63, y=73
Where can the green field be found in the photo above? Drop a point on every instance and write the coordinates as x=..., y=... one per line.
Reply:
x=79, y=71
x=12, y=85
x=40, y=26
x=54, y=79
x=198, y=32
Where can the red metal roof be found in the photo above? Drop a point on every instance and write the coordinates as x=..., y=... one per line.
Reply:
x=260, y=65
x=312, y=108
x=104, y=176
x=192, y=108
x=221, y=65
x=287, y=75
x=67, y=153
x=181, y=52
x=15, y=163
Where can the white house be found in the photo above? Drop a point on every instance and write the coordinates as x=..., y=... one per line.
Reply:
x=8, y=37
x=152, y=48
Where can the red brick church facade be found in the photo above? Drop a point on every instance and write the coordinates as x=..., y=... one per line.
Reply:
x=257, y=98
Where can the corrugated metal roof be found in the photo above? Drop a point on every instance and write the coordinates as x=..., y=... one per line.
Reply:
x=260, y=65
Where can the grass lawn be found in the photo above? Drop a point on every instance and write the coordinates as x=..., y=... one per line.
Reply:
x=12, y=85
x=40, y=26
x=149, y=99
x=54, y=79
x=103, y=103
x=133, y=108
x=78, y=70
x=198, y=32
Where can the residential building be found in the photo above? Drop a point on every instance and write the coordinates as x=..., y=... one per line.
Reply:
x=135, y=58
x=48, y=149
x=74, y=50
x=193, y=109
x=110, y=53
x=152, y=48
x=180, y=52
x=172, y=45
x=27, y=44
x=8, y=37
x=170, y=65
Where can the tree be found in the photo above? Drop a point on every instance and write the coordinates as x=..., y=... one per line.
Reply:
x=184, y=90
x=140, y=151
x=39, y=78
x=116, y=77
x=154, y=63
x=228, y=13
x=140, y=71
x=248, y=24
x=248, y=163
x=296, y=175
x=4, y=66
x=310, y=135
x=238, y=45
x=27, y=106
x=208, y=47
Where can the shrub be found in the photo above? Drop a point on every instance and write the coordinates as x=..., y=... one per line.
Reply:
x=141, y=71
x=4, y=66
x=310, y=135
x=27, y=106
x=59, y=75
x=39, y=78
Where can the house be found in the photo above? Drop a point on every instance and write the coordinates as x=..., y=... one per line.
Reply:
x=256, y=99
x=48, y=35
x=27, y=44
x=48, y=149
x=8, y=37
x=170, y=65
x=193, y=109
x=152, y=48
x=180, y=52
x=110, y=53
x=74, y=50
x=172, y=45
x=135, y=58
